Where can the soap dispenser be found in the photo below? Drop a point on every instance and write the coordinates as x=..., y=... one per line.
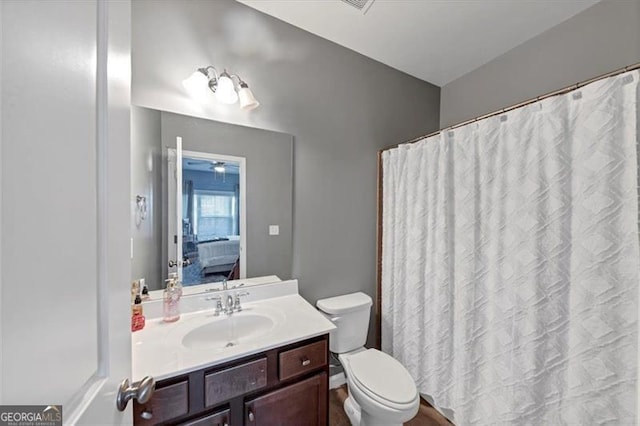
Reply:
x=171, y=300
x=176, y=282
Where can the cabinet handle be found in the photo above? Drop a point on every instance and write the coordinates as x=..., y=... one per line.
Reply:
x=146, y=414
x=305, y=361
x=251, y=416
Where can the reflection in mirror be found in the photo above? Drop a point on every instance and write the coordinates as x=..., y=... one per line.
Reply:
x=211, y=217
x=234, y=200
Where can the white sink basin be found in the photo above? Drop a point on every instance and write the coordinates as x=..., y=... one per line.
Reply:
x=228, y=331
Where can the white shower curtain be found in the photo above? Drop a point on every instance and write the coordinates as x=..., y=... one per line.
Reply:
x=510, y=261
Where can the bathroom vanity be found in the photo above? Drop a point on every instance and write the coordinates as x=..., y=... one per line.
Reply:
x=286, y=385
x=266, y=364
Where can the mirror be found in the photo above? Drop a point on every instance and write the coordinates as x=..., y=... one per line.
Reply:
x=210, y=200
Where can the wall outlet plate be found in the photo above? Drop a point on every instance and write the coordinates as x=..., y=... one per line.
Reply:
x=274, y=230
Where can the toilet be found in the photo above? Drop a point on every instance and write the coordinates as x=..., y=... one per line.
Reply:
x=381, y=391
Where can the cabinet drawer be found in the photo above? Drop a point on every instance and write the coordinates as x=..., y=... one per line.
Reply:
x=235, y=381
x=166, y=403
x=301, y=360
x=220, y=418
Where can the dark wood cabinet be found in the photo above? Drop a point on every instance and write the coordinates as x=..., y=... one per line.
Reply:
x=298, y=361
x=235, y=381
x=302, y=403
x=282, y=386
x=216, y=419
x=168, y=402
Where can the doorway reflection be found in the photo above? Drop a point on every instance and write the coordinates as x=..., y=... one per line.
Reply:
x=210, y=219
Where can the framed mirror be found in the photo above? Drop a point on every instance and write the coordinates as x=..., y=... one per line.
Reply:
x=210, y=200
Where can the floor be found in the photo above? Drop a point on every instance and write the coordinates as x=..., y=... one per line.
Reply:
x=427, y=415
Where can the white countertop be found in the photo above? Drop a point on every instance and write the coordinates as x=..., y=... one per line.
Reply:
x=158, y=350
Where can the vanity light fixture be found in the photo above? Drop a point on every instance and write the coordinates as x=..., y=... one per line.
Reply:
x=228, y=88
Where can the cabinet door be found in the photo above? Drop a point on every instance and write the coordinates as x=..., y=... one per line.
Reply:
x=303, y=403
x=218, y=419
x=166, y=403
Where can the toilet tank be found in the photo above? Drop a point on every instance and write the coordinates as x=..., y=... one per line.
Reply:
x=350, y=314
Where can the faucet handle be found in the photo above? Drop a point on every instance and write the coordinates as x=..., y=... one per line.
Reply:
x=218, y=305
x=236, y=306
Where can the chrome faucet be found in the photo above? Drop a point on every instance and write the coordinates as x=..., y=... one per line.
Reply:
x=232, y=305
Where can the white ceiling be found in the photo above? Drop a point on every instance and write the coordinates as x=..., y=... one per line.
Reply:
x=433, y=40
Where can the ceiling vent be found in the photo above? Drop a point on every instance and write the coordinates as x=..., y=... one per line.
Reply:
x=361, y=5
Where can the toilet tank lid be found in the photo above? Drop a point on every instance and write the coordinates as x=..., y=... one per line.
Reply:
x=343, y=304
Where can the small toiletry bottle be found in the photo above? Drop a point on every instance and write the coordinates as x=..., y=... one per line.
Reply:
x=137, y=318
x=145, y=290
x=171, y=301
x=135, y=290
x=145, y=294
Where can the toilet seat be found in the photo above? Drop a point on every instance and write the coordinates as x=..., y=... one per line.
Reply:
x=382, y=378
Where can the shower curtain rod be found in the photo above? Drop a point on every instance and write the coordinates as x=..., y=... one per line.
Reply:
x=518, y=105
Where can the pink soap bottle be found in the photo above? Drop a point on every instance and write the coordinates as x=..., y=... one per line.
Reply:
x=171, y=301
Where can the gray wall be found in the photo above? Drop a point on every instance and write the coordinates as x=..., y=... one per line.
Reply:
x=601, y=39
x=340, y=106
x=147, y=181
x=269, y=183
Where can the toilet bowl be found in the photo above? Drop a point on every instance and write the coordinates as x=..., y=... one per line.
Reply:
x=381, y=390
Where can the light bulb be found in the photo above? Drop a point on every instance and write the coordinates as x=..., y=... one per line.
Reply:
x=247, y=100
x=226, y=92
x=219, y=168
x=196, y=85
